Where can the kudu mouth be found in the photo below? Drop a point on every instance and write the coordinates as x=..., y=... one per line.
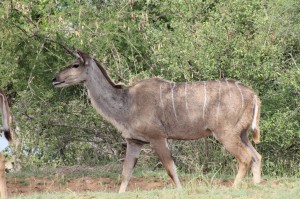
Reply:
x=64, y=83
x=57, y=83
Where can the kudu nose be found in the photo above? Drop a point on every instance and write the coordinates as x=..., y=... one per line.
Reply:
x=54, y=79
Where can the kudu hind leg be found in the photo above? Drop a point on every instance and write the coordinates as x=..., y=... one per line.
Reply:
x=256, y=168
x=235, y=146
x=132, y=154
x=162, y=149
x=256, y=158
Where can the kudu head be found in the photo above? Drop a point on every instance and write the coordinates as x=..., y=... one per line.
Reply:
x=75, y=73
x=6, y=117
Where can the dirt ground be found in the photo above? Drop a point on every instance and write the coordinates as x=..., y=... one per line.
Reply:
x=31, y=185
x=24, y=186
x=60, y=181
x=76, y=179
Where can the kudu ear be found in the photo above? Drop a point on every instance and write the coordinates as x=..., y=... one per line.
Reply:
x=79, y=55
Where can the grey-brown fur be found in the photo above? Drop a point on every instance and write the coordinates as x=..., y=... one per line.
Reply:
x=154, y=110
x=5, y=116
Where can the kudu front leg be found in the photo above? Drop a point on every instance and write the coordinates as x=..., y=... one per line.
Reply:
x=162, y=149
x=132, y=154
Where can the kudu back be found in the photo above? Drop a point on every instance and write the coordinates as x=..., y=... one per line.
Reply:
x=154, y=110
x=5, y=131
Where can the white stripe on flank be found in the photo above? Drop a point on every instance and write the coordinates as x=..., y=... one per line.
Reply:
x=218, y=109
x=253, y=126
x=228, y=89
x=161, y=102
x=173, y=102
x=237, y=85
x=185, y=93
x=204, y=105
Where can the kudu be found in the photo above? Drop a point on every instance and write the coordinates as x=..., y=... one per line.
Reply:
x=154, y=110
x=5, y=130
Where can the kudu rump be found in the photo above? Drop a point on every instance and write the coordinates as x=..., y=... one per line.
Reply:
x=5, y=131
x=154, y=110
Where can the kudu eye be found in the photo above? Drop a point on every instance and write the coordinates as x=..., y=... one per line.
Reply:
x=75, y=65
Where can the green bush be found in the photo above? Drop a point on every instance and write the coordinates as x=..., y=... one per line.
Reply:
x=255, y=42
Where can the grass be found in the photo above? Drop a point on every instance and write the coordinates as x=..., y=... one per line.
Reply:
x=214, y=185
x=286, y=188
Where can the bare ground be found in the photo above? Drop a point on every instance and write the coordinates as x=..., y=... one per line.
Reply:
x=76, y=179
x=80, y=179
x=28, y=186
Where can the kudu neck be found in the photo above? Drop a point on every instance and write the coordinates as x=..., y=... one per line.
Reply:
x=108, y=99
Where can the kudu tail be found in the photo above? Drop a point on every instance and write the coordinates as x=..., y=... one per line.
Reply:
x=5, y=116
x=255, y=120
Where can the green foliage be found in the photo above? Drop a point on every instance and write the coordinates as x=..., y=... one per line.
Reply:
x=255, y=42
